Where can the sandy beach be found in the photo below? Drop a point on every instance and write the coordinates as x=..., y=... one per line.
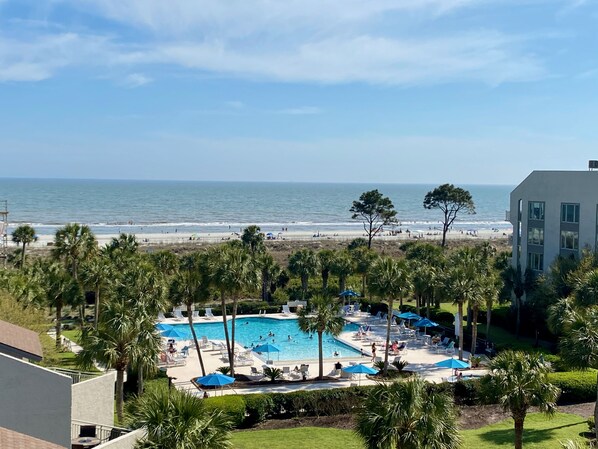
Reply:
x=180, y=238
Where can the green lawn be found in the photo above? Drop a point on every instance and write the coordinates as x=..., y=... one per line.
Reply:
x=540, y=433
x=73, y=335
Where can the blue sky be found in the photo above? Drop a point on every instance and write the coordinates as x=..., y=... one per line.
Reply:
x=405, y=91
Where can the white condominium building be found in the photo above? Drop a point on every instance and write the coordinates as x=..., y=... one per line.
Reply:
x=554, y=213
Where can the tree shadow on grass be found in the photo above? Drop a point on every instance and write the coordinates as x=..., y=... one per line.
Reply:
x=503, y=436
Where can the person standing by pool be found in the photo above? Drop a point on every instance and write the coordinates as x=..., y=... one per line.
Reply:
x=373, y=352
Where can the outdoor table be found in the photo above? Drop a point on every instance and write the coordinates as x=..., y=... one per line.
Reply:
x=84, y=442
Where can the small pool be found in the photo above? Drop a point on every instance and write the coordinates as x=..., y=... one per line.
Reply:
x=299, y=347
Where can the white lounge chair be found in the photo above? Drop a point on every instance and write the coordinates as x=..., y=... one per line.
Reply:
x=209, y=313
x=161, y=316
x=178, y=315
x=204, y=343
x=285, y=310
x=195, y=314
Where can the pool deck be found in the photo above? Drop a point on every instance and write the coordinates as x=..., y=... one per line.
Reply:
x=420, y=357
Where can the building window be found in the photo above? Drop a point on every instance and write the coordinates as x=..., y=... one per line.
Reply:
x=569, y=213
x=536, y=210
x=535, y=261
x=535, y=236
x=570, y=240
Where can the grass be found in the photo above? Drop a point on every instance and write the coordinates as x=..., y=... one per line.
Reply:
x=73, y=335
x=298, y=438
x=540, y=433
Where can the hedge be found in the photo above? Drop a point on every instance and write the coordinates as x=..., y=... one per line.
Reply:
x=576, y=386
x=232, y=405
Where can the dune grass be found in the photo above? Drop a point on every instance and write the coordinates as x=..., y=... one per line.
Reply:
x=540, y=433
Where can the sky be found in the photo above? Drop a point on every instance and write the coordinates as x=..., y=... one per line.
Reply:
x=389, y=91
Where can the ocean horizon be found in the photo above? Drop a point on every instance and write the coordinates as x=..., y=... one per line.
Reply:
x=152, y=206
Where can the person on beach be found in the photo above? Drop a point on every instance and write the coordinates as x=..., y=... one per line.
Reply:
x=373, y=352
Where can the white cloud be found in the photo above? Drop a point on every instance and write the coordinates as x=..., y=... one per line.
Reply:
x=297, y=41
x=136, y=80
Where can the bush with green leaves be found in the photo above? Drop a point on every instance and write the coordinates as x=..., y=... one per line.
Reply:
x=400, y=365
x=224, y=370
x=576, y=386
x=232, y=406
x=272, y=373
x=257, y=408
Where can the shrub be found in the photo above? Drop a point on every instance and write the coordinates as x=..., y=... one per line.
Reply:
x=576, y=386
x=442, y=317
x=591, y=424
x=231, y=405
x=224, y=370
x=257, y=408
x=400, y=365
x=272, y=373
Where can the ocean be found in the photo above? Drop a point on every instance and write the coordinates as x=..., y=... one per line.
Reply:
x=114, y=206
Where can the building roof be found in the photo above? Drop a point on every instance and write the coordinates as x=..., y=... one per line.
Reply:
x=9, y=439
x=19, y=342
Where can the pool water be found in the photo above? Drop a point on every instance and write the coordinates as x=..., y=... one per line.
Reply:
x=299, y=347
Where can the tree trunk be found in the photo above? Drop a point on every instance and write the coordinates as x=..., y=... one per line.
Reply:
x=388, y=321
x=120, y=376
x=363, y=285
x=320, y=357
x=23, y=256
x=58, y=326
x=233, y=327
x=488, y=318
x=460, y=319
x=304, y=281
x=519, y=432
x=228, y=349
x=325, y=275
x=96, y=309
x=417, y=303
x=474, y=330
x=197, y=348
x=428, y=306
x=342, y=281
x=518, y=321
x=265, y=283
x=139, y=380
x=370, y=236
x=596, y=411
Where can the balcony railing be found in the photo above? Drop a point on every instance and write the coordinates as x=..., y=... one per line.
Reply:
x=102, y=433
x=76, y=376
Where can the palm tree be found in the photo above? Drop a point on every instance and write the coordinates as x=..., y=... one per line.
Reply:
x=124, y=245
x=460, y=286
x=176, y=419
x=325, y=258
x=363, y=258
x=520, y=381
x=342, y=266
x=95, y=273
x=520, y=284
x=165, y=262
x=424, y=282
x=50, y=284
x=323, y=318
x=23, y=235
x=270, y=270
x=390, y=279
x=408, y=415
x=74, y=243
x=190, y=286
x=232, y=271
x=253, y=239
x=579, y=340
x=125, y=336
x=303, y=263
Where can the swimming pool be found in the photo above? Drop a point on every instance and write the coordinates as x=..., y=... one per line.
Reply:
x=299, y=347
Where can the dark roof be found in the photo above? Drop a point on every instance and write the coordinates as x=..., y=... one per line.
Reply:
x=19, y=342
x=9, y=439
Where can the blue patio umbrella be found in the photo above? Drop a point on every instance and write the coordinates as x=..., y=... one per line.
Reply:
x=409, y=316
x=163, y=326
x=360, y=369
x=267, y=347
x=425, y=323
x=452, y=363
x=348, y=293
x=173, y=333
x=214, y=380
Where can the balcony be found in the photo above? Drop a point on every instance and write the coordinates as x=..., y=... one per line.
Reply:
x=76, y=376
x=98, y=433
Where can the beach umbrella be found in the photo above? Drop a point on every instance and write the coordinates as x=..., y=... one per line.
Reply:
x=163, y=326
x=452, y=363
x=214, y=380
x=409, y=316
x=348, y=293
x=360, y=369
x=173, y=333
x=267, y=347
x=425, y=323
